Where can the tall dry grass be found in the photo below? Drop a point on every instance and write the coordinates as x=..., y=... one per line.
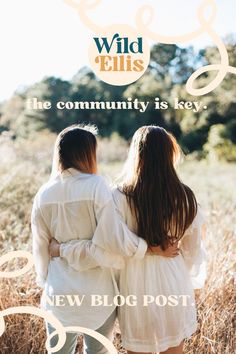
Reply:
x=27, y=165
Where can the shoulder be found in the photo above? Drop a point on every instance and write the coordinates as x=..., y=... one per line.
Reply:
x=102, y=190
x=44, y=190
x=118, y=196
x=117, y=192
x=96, y=186
x=41, y=196
x=99, y=182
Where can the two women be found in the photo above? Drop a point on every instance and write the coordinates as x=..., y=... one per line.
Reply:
x=77, y=209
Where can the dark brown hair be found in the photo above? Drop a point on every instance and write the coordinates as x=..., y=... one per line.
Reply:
x=164, y=207
x=76, y=148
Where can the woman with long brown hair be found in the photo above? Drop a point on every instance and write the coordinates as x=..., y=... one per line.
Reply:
x=162, y=210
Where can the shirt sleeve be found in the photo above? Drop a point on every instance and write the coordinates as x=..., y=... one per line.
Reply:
x=84, y=255
x=41, y=239
x=112, y=234
x=193, y=252
x=112, y=240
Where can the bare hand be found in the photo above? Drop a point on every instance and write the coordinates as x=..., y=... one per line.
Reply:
x=54, y=248
x=171, y=251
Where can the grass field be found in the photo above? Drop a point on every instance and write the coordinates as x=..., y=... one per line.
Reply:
x=26, y=165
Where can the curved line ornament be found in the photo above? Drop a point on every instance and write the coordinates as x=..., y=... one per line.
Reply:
x=12, y=255
x=60, y=330
x=143, y=19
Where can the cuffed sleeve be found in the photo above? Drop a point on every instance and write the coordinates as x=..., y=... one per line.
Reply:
x=83, y=255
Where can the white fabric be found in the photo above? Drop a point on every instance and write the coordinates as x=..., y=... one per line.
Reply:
x=155, y=328
x=76, y=206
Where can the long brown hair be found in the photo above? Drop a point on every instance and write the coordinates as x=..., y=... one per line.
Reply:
x=76, y=148
x=164, y=207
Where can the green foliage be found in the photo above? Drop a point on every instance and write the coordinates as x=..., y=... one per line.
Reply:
x=218, y=147
x=170, y=66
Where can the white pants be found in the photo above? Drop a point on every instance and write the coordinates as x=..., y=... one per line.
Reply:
x=91, y=345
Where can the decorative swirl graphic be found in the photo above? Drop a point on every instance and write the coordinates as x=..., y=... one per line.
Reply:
x=82, y=8
x=223, y=68
x=60, y=330
x=103, y=340
x=31, y=310
x=16, y=254
x=205, y=27
x=144, y=18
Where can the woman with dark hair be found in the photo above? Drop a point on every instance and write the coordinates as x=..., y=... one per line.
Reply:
x=76, y=204
x=163, y=211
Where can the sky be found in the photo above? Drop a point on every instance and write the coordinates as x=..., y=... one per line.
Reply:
x=39, y=38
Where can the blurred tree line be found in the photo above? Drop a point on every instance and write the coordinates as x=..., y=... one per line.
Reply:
x=209, y=132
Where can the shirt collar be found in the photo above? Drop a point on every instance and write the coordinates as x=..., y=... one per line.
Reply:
x=70, y=172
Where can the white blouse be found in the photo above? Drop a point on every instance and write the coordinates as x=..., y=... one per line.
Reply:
x=191, y=245
x=157, y=323
x=155, y=327
x=76, y=206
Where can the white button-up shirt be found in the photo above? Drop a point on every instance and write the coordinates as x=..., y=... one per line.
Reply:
x=78, y=206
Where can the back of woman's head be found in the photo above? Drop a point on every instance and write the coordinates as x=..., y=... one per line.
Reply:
x=76, y=148
x=163, y=206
